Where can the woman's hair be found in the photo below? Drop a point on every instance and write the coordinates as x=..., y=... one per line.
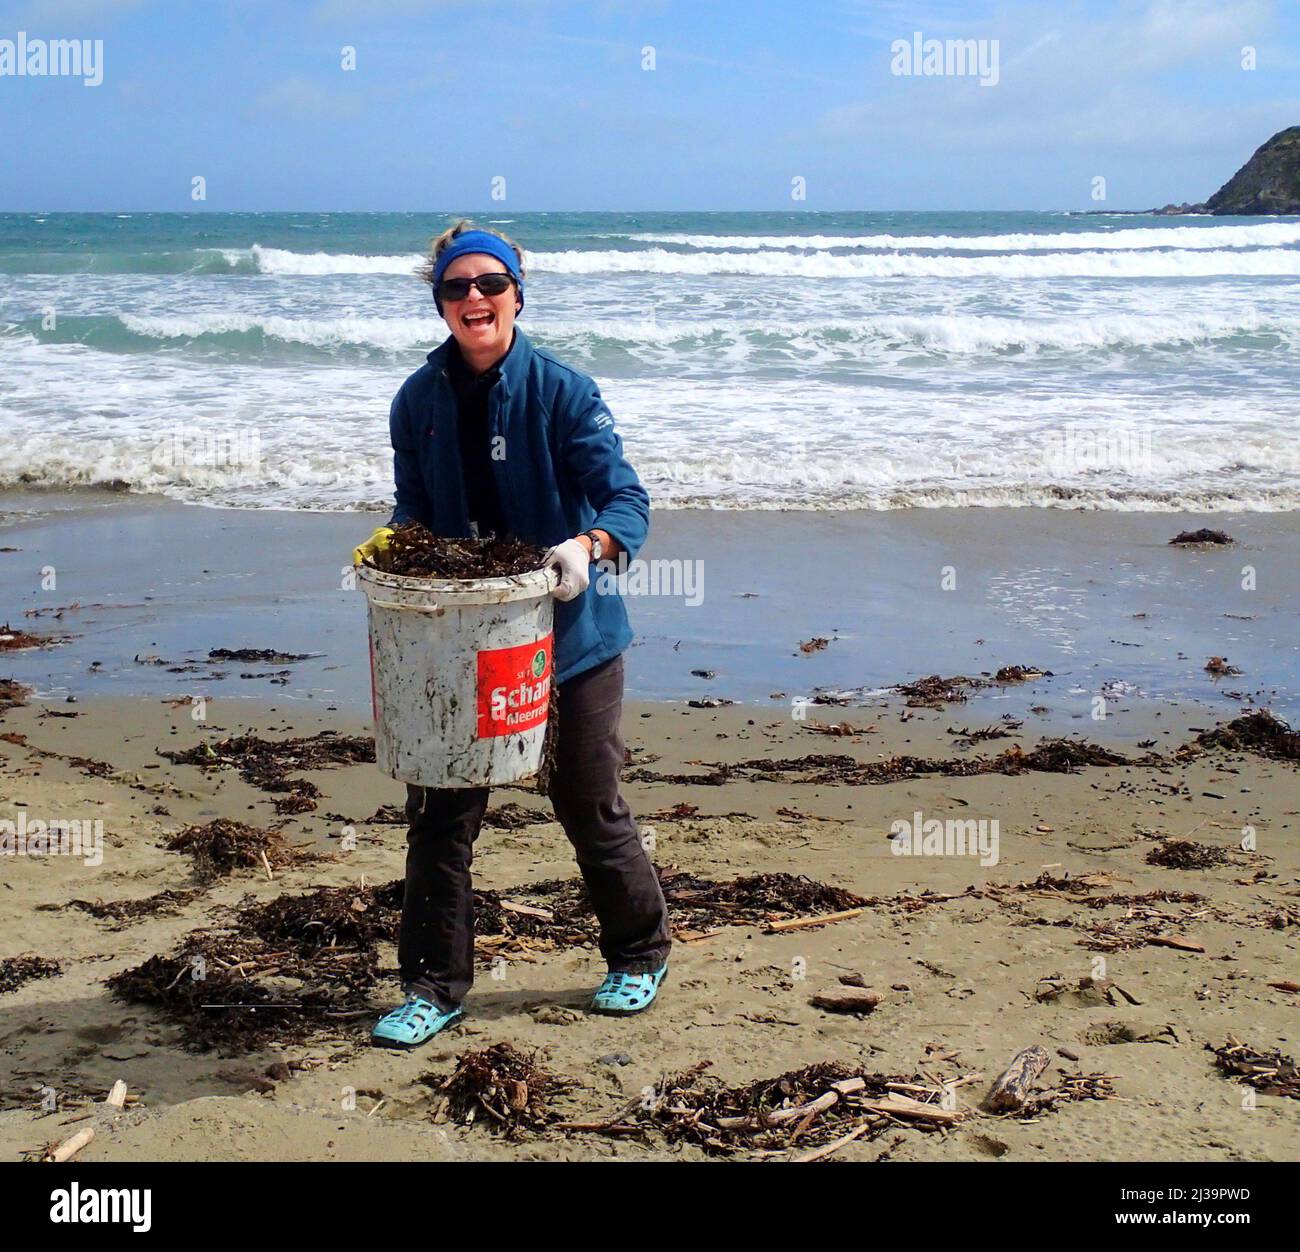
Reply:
x=444, y=241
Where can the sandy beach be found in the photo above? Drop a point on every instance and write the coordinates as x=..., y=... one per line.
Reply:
x=931, y=375
x=1127, y=972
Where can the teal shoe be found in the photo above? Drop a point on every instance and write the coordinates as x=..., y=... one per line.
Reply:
x=414, y=1023
x=623, y=993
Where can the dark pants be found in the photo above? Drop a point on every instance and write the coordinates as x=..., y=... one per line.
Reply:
x=435, y=946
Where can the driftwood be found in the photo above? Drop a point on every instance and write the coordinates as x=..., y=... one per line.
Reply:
x=1176, y=941
x=695, y=936
x=850, y=1000
x=896, y=1105
x=527, y=910
x=1012, y=1088
x=809, y=1110
x=1268, y=1072
x=821, y=1108
x=70, y=1147
x=830, y=1148
x=116, y=1098
x=800, y=923
x=891, y=1104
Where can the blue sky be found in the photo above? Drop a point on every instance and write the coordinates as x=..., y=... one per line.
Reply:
x=551, y=96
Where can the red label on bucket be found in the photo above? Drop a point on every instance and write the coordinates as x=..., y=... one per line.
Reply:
x=514, y=688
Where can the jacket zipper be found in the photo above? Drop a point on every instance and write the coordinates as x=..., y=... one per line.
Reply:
x=451, y=449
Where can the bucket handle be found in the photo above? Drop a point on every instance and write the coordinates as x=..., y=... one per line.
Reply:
x=408, y=608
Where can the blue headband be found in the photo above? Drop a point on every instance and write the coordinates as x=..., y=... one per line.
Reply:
x=476, y=241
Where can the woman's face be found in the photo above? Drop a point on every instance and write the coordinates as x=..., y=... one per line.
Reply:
x=481, y=324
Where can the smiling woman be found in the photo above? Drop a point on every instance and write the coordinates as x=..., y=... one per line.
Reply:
x=485, y=297
x=495, y=436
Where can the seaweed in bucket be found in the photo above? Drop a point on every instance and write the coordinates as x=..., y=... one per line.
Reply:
x=415, y=552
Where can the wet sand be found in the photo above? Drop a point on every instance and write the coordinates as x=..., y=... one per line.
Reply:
x=1099, y=599
x=960, y=977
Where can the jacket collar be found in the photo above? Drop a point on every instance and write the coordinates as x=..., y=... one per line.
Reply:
x=514, y=369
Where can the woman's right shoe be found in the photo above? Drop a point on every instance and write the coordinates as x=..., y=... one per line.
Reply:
x=622, y=994
x=413, y=1023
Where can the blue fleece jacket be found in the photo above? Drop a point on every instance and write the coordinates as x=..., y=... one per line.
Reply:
x=561, y=471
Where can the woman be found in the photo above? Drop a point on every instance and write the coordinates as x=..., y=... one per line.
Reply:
x=493, y=435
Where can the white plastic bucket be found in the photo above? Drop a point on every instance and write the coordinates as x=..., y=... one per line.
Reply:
x=460, y=676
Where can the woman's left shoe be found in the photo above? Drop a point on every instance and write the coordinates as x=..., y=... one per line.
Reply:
x=623, y=993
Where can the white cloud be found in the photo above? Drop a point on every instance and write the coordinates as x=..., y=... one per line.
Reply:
x=1077, y=80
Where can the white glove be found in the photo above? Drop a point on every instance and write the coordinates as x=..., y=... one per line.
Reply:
x=574, y=562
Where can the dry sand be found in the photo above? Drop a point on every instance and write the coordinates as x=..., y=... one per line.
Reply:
x=959, y=977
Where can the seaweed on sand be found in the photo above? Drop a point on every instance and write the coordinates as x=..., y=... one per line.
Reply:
x=530, y=918
x=17, y=970
x=1020, y=674
x=541, y=916
x=267, y=763
x=934, y=692
x=1186, y=538
x=998, y=730
x=12, y=639
x=260, y=656
x=214, y=1009
x=1261, y=732
x=503, y=1084
x=388, y=815
x=220, y=847
x=1184, y=854
x=1053, y=756
x=513, y=817
x=278, y=976
x=218, y=1007
x=124, y=912
x=698, y=903
x=340, y=920
x=13, y=695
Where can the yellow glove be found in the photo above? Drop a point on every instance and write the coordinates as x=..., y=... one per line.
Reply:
x=378, y=542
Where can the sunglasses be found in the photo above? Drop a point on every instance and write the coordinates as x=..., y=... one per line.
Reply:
x=488, y=284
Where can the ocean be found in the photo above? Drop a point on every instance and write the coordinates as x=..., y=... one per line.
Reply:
x=797, y=360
